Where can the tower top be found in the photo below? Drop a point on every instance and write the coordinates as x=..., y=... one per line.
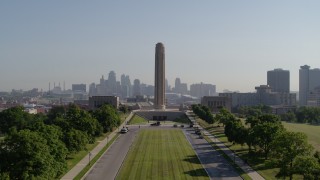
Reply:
x=159, y=44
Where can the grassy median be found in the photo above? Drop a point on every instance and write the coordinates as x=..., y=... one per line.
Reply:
x=161, y=154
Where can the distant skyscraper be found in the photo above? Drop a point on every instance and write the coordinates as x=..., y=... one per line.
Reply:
x=79, y=88
x=92, y=89
x=159, y=82
x=181, y=88
x=177, y=85
x=112, y=83
x=279, y=80
x=309, y=79
x=136, y=87
x=168, y=88
x=200, y=90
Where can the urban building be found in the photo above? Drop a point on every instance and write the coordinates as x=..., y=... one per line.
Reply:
x=309, y=79
x=92, y=89
x=200, y=90
x=79, y=88
x=279, y=80
x=314, y=97
x=98, y=101
x=112, y=84
x=136, y=88
x=215, y=103
x=263, y=95
x=181, y=88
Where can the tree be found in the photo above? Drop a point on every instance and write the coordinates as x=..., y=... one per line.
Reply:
x=224, y=116
x=54, y=138
x=26, y=155
x=286, y=147
x=13, y=117
x=75, y=140
x=306, y=166
x=289, y=117
x=317, y=156
x=83, y=121
x=272, y=118
x=108, y=117
x=252, y=120
x=264, y=134
x=235, y=131
x=56, y=112
x=124, y=109
x=308, y=115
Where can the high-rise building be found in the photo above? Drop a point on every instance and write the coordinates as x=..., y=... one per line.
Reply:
x=200, y=90
x=181, y=88
x=136, y=87
x=92, y=89
x=279, y=80
x=309, y=79
x=159, y=82
x=112, y=83
x=177, y=84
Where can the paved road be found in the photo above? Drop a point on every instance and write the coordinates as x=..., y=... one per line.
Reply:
x=214, y=163
x=84, y=162
x=109, y=164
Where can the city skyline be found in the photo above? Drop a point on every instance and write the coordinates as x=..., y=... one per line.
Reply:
x=231, y=45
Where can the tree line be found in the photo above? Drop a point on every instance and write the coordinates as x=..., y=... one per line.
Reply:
x=37, y=146
x=300, y=115
x=264, y=135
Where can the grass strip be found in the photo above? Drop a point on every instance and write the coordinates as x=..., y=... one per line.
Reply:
x=137, y=120
x=161, y=154
x=94, y=160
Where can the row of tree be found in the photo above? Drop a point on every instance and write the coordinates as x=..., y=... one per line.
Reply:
x=263, y=132
x=203, y=112
x=37, y=146
x=301, y=115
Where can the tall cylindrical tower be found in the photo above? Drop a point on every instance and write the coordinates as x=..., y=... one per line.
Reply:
x=159, y=82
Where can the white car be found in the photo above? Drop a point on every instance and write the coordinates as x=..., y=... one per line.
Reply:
x=124, y=130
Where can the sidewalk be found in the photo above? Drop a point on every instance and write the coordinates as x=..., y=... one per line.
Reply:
x=244, y=166
x=84, y=162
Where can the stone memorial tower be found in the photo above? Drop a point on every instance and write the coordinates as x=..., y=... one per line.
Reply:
x=159, y=82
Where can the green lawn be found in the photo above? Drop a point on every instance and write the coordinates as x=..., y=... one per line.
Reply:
x=137, y=120
x=312, y=131
x=161, y=154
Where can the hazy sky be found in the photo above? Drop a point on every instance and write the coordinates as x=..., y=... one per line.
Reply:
x=231, y=44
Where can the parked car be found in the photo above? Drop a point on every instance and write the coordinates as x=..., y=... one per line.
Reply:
x=156, y=123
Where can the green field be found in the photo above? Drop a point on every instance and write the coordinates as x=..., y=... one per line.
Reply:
x=161, y=154
x=257, y=162
x=312, y=131
x=137, y=120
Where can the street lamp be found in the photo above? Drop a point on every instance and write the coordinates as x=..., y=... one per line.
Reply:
x=89, y=157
